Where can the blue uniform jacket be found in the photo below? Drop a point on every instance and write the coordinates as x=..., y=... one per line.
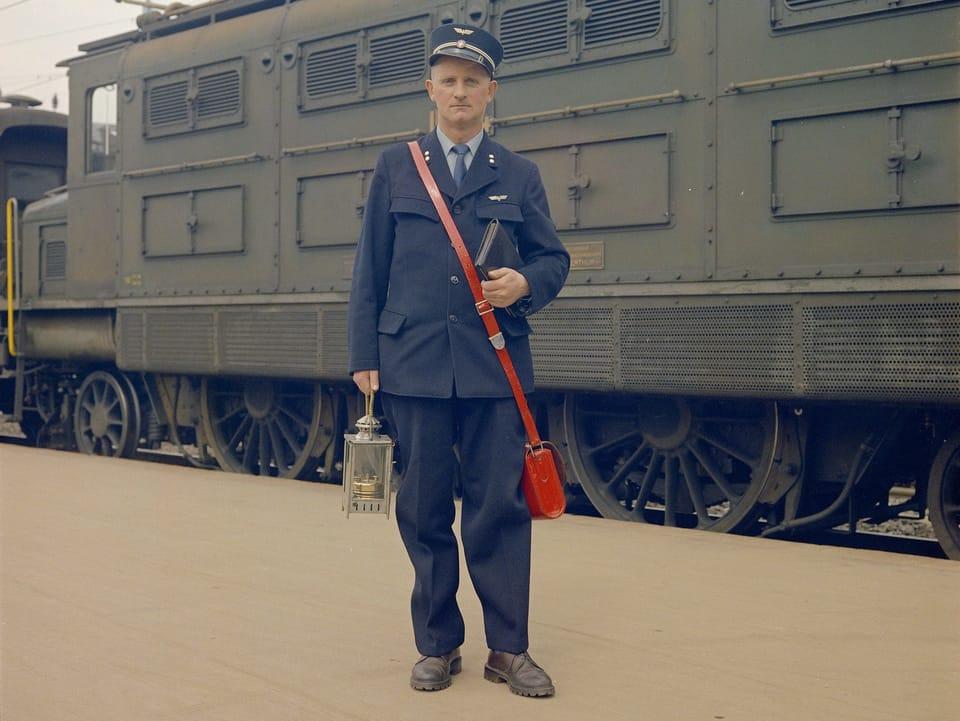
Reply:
x=411, y=312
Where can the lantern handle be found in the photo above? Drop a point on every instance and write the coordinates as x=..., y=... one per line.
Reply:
x=369, y=400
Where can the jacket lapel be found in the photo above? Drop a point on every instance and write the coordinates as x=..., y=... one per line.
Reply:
x=481, y=172
x=438, y=164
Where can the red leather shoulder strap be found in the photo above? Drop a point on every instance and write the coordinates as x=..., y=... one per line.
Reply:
x=482, y=304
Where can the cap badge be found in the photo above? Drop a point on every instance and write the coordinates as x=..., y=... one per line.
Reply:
x=461, y=43
x=463, y=31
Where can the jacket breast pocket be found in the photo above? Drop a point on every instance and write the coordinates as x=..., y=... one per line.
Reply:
x=503, y=211
x=408, y=205
x=390, y=322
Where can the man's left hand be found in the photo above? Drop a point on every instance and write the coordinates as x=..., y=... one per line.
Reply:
x=506, y=287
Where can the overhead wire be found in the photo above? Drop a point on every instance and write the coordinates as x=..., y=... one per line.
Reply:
x=63, y=32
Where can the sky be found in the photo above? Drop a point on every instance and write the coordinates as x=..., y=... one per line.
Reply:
x=36, y=34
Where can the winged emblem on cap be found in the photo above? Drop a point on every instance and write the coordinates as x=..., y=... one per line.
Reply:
x=463, y=31
x=497, y=197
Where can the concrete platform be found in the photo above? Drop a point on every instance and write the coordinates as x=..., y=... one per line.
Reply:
x=145, y=592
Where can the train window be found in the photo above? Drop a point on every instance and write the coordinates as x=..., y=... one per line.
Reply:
x=210, y=96
x=547, y=33
x=102, y=141
x=792, y=13
x=28, y=183
x=372, y=63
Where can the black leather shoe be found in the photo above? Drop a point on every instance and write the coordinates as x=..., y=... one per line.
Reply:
x=432, y=673
x=520, y=671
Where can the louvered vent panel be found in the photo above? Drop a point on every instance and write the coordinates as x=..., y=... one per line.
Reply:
x=330, y=71
x=397, y=58
x=180, y=341
x=896, y=350
x=218, y=94
x=621, y=20
x=333, y=343
x=55, y=263
x=534, y=30
x=168, y=103
x=710, y=349
x=573, y=347
x=131, y=340
x=262, y=340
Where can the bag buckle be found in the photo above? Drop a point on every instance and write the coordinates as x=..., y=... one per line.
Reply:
x=497, y=341
x=483, y=307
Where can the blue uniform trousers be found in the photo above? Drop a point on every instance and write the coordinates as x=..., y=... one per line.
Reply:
x=494, y=525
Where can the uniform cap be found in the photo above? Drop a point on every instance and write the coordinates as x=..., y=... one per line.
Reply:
x=467, y=42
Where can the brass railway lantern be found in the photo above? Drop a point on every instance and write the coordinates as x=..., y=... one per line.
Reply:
x=368, y=466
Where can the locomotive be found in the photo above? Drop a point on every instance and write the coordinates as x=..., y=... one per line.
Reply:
x=761, y=327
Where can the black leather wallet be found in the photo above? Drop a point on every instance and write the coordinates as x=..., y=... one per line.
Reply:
x=497, y=251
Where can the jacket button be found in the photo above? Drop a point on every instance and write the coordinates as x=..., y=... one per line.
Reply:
x=452, y=317
x=458, y=209
x=454, y=279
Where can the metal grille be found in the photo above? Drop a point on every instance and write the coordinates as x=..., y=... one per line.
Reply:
x=573, y=347
x=397, y=58
x=883, y=351
x=181, y=341
x=621, y=20
x=218, y=94
x=55, y=260
x=333, y=343
x=131, y=339
x=168, y=103
x=333, y=70
x=534, y=29
x=285, y=340
x=711, y=349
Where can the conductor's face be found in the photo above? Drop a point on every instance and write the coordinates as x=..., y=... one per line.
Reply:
x=461, y=91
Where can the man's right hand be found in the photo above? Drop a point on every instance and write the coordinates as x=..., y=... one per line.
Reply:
x=367, y=381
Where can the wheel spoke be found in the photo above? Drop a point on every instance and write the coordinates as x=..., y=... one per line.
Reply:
x=248, y=451
x=727, y=448
x=114, y=439
x=653, y=470
x=613, y=443
x=227, y=416
x=263, y=449
x=670, y=493
x=238, y=434
x=296, y=419
x=627, y=466
x=288, y=436
x=689, y=469
x=715, y=473
x=279, y=448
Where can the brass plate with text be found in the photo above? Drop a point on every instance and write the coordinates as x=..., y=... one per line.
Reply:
x=586, y=256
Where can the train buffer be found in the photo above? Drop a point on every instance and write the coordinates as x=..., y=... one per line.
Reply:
x=143, y=591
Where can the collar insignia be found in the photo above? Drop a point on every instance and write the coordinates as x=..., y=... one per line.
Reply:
x=498, y=198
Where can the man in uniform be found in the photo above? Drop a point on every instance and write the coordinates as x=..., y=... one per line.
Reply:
x=415, y=333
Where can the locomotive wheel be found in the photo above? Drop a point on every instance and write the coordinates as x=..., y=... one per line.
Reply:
x=267, y=427
x=694, y=463
x=943, y=496
x=106, y=418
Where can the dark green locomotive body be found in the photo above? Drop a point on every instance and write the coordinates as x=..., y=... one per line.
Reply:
x=760, y=200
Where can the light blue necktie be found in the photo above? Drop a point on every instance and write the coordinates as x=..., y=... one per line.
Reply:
x=460, y=169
